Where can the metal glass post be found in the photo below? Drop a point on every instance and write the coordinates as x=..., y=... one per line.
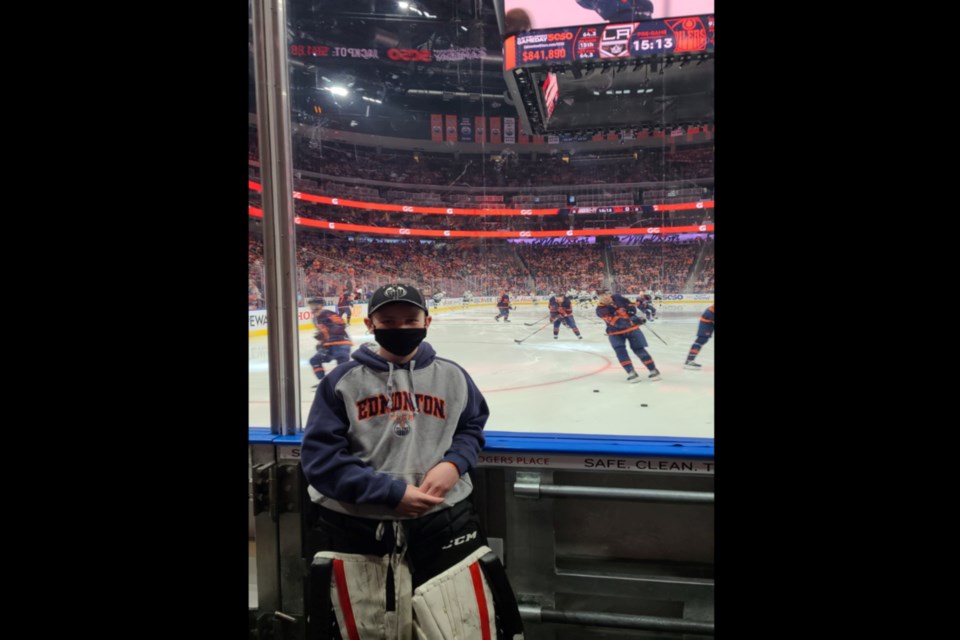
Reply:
x=273, y=129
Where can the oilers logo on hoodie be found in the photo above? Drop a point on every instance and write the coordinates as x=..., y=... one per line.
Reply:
x=401, y=423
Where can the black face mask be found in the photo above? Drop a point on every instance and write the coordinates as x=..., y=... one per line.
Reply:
x=400, y=342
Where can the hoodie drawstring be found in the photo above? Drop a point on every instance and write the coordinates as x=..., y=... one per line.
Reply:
x=399, y=539
x=413, y=392
x=390, y=383
x=400, y=536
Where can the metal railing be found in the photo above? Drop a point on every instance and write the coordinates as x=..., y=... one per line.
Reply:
x=615, y=620
x=529, y=486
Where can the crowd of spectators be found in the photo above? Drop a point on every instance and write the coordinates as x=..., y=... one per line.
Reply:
x=328, y=265
x=670, y=267
x=331, y=263
x=556, y=268
x=704, y=278
x=380, y=171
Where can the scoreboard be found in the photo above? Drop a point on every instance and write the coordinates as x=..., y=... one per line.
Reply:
x=551, y=100
x=671, y=36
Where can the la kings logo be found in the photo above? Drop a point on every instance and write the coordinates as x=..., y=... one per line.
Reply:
x=613, y=42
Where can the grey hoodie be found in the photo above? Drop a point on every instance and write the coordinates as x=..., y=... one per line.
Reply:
x=376, y=427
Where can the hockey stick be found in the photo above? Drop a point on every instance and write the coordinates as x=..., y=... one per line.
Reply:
x=655, y=333
x=530, y=324
x=534, y=333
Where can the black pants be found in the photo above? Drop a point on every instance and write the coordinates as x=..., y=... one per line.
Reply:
x=435, y=542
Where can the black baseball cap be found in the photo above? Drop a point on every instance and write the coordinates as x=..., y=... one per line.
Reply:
x=396, y=292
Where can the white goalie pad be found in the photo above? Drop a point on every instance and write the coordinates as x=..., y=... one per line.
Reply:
x=358, y=592
x=457, y=604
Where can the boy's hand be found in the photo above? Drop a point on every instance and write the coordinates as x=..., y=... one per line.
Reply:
x=440, y=479
x=415, y=502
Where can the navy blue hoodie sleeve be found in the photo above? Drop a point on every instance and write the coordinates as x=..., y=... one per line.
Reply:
x=468, y=439
x=326, y=459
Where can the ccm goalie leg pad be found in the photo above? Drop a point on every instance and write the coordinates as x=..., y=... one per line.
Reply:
x=457, y=604
x=359, y=595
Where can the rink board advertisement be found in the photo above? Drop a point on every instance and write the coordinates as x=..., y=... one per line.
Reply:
x=590, y=462
x=688, y=297
x=596, y=462
x=258, y=318
x=679, y=303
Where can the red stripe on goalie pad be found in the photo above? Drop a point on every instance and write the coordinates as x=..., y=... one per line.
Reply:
x=358, y=594
x=344, y=594
x=456, y=604
x=481, y=600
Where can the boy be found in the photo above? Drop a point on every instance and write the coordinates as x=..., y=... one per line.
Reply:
x=387, y=446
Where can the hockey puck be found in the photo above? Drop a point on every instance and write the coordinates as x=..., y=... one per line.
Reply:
x=643, y=405
x=596, y=390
